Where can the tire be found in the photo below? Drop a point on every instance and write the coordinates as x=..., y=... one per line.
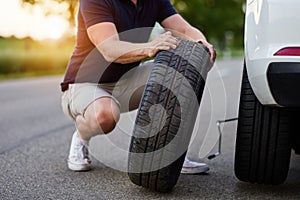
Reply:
x=263, y=146
x=166, y=116
x=295, y=130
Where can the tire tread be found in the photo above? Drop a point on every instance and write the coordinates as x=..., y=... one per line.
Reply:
x=156, y=92
x=263, y=140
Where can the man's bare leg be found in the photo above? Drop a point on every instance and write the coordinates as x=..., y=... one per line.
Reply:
x=100, y=117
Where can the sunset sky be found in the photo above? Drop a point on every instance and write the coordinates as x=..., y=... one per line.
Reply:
x=21, y=22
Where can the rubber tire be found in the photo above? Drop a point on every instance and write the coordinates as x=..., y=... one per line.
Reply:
x=295, y=130
x=191, y=60
x=263, y=146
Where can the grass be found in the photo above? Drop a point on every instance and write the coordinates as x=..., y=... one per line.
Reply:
x=26, y=58
x=10, y=76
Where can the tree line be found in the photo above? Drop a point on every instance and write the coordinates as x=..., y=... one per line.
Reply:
x=221, y=21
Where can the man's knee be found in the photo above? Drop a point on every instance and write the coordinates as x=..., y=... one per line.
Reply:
x=107, y=119
x=103, y=115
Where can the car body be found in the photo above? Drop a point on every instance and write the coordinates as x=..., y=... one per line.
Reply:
x=269, y=108
x=272, y=50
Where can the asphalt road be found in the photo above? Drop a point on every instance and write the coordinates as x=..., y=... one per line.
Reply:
x=35, y=137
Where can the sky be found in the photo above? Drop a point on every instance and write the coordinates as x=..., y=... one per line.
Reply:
x=21, y=22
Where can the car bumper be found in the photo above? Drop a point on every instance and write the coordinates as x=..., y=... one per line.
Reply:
x=284, y=82
x=258, y=70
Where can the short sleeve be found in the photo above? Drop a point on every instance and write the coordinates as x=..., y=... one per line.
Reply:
x=166, y=9
x=96, y=11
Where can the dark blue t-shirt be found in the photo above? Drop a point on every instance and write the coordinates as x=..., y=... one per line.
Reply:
x=87, y=64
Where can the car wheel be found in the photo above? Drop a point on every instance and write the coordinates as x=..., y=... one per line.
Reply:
x=295, y=130
x=263, y=146
x=166, y=116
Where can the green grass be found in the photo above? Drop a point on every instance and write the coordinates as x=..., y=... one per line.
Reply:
x=10, y=76
x=30, y=58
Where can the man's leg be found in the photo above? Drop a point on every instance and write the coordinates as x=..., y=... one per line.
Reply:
x=94, y=112
x=100, y=117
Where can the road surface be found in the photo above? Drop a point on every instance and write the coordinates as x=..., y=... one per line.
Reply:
x=35, y=137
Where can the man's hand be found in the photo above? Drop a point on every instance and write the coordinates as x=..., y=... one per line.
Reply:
x=162, y=42
x=211, y=49
x=180, y=27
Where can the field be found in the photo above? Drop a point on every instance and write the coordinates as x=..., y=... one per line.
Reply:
x=26, y=58
x=21, y=58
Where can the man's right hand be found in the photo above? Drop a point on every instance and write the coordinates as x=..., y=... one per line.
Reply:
x=161, y=42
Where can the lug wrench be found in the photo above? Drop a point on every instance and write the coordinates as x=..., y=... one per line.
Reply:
x=219, y=122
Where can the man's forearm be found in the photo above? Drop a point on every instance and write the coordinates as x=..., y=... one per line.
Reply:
x=194, y=34
x=105, y=37
x=124, y=52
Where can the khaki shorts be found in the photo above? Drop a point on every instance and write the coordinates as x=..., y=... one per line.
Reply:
x=127, y=92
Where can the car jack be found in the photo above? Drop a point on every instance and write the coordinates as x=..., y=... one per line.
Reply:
x=219, y=122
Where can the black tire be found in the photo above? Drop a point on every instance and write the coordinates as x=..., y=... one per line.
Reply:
x=295, y=130
x=160, y=138
x=263, y=146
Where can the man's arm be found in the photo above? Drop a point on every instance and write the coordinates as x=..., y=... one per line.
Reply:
x=105, y=37
x=181, y=28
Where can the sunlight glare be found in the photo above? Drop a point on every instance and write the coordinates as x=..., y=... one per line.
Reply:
x=56, y=27
x=31, y=22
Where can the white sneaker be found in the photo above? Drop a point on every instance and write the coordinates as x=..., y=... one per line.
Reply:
x=191, y=167
x=78, y=159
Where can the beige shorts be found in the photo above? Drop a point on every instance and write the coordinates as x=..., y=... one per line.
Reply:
x=127, y=92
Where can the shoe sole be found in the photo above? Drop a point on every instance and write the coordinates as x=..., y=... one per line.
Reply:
x=194, y=170
x=79, y=168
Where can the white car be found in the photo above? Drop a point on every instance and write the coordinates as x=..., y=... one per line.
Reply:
x=270, y=95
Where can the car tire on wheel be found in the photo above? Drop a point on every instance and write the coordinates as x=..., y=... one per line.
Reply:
x=263, y=144
x=166, y=116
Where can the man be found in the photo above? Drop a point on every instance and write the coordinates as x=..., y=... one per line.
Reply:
x=92, y=77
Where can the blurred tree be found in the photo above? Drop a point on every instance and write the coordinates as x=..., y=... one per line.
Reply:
x=221, y=21
x=72, y=7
